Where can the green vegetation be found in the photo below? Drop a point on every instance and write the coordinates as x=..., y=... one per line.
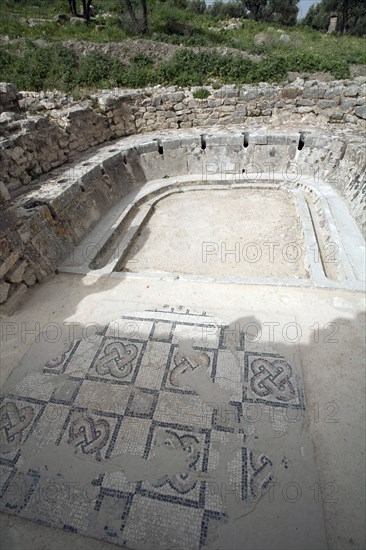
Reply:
x=202, y=93
x=351, y=16
x=186, y=23
x=57, y=67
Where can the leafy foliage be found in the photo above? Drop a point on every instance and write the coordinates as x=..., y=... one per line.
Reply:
x=351, y=16
x=33, y=67
x=202, y=93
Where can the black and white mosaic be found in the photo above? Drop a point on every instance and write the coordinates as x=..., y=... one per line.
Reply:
x=118, y=438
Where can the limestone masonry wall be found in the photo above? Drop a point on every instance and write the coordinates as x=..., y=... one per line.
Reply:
x=43, y=130
x=51, y=193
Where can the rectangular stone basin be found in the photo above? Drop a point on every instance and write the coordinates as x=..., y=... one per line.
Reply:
x=232, y=232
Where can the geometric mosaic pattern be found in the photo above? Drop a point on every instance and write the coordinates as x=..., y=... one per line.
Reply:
x=124, y=393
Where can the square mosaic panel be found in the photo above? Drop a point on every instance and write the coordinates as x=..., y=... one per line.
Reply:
x=18, y=419
x=182, y=487
x=269, y=379
x=177, y=365
x=117, y=360
x=90, y=433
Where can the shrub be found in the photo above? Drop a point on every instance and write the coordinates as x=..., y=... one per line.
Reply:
x=197, y=6
x=304, y=61
x=142, y=60
x=231, y=8
x=187, y=68
x=41, y=68
x=98, y=69
x=202, y=93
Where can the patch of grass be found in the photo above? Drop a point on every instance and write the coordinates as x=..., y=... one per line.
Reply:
x=202, y=93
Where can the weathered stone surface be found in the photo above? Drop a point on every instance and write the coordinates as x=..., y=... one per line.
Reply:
x=336, y=116
x=14, y=301
x=348, y=103
x=350, y=91
x=305, y=102
x=8, y=262
x=285, y=38
x=29, y=277
x=361, y=112
x=291, y=92
x=333, y=92
x=8, y=88
x=326, y=104
x=16, y=274
x=4, y=291
x=4, y=194
x=8, y=97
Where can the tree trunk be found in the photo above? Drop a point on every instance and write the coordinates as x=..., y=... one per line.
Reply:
x=132, y=14
x=344, y=17
x=145, y=21
x=72, y=4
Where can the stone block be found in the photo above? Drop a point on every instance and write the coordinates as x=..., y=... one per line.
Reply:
x=315, y=92
x=217, y=140
x=348, y=103
x=227, y=109
x=8, y=88
x=336, y=117
x=8, y=221
x=50, y=245
x=258, y=139
x=332, y=92
x=360, y=112
x=15, y=275
x=4, y=291
x=29, y=277
x=228, y=91
x=305, y=102
x=248, y=94
x=327, y=104
x=14, y=301
x=291, y=92
x=351, y=91
x=4, y=194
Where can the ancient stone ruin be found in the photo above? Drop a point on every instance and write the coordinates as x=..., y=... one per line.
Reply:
x=56, y=184
x=181, y=289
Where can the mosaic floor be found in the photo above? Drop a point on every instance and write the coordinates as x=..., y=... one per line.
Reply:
x=141, y=436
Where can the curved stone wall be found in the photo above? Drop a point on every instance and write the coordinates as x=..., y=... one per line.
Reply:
x=42, y=225
x=42, y=131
